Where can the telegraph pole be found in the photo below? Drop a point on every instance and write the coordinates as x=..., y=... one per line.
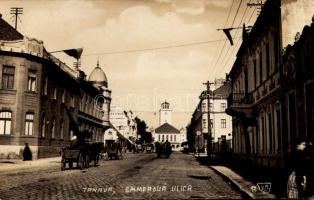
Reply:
x=209, y=139
x=16, y=11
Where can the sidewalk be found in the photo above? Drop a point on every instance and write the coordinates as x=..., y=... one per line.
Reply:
x=248, y=188
x=8, y=165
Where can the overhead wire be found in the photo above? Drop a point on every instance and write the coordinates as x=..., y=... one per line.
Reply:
x=222, y=34
x=216, y=67
x=227, y=56
x=236, y=45
x=155, y=48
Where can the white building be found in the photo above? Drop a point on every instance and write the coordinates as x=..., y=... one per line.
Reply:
x=220, y=121
x=124, y=122
x=166, y=131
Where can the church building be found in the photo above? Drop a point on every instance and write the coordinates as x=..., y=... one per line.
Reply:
x=166, y=131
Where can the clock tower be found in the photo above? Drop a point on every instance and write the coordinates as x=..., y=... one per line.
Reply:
x=165, y=113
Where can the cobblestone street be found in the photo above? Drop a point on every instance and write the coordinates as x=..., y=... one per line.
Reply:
x=137, y=176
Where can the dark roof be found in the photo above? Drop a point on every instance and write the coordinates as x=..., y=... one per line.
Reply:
x=166, y=128
x=7, y=32
x=223, y=91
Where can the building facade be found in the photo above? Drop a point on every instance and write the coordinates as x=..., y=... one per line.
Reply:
x=268, y=98
x=43, y=102
x=221, y=123
x=166, y=131
x=124, y=122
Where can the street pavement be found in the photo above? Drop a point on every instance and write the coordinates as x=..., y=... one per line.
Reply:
x=137, y=176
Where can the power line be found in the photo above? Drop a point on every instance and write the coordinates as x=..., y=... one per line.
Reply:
x=228, y=60
x=155, y=48
x=212, y=61
x=226, y=41
x=225, y=58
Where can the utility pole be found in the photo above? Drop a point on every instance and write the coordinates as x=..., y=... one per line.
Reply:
x=16, y=11
x=209, y=139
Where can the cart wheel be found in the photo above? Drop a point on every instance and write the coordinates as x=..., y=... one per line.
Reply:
x=63, y=163
x=87, y=161
x=80, y=162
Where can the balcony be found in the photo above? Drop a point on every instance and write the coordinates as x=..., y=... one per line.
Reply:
x=237, y=99
x=241, y=106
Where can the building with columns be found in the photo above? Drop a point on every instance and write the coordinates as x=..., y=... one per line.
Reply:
x=166, y=131
x=43, y=102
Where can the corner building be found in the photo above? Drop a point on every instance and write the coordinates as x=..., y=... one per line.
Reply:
x=43, y=101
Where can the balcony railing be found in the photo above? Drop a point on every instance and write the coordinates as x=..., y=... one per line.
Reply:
x=236, y=99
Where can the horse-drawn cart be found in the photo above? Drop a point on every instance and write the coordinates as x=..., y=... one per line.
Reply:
x=82, y=155
x=114, y=151
x=71, y=156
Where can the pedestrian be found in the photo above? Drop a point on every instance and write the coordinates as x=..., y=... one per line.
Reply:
x=27, y=153
x=297, y=163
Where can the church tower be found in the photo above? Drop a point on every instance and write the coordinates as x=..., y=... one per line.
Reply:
x=165, y=113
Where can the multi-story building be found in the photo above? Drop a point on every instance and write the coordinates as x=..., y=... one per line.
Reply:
x=43, y=101
x=124, y=122
x=263, y=102
x=221, y=123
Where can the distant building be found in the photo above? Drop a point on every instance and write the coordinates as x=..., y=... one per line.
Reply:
x=165, y=113
x=166, y=131
x=124, y=122
x=43, y=102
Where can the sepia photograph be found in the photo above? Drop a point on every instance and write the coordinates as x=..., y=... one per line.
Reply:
x=156, y=99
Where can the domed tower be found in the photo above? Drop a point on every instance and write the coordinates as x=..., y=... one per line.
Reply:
x=99, y=79
x=165, y=113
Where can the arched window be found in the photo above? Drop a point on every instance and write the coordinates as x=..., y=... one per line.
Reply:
x=43, y=125
x=5, y=122
x=53, y=127
x=29, y=124
x=61, y=129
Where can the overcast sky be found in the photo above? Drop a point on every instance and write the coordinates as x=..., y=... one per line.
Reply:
x=141, y=80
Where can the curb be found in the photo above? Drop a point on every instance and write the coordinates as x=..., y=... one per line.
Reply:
x=243, y=188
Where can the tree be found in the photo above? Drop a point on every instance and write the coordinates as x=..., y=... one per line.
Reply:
x=141, y=131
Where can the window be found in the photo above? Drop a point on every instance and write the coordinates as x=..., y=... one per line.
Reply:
x=72, y=101
x=211, y=123
x=31, y=84
x=260, y=67
x=223, y=107
x=171, y=138
x=63, y=97
x=53, y=127
x=267, y=60
x=163, y=138
x=210, y=106
x=167, y=137
x=175, y=138
x=54, y=93
x=223, y=123
x=46, y=86
x=5, y=122
x=43, y=125
x=255, y=77
x=204, y=121
x=61, y=129
x=159, y=138
x=29, y=124
x=204, y=106
x=7, y=77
